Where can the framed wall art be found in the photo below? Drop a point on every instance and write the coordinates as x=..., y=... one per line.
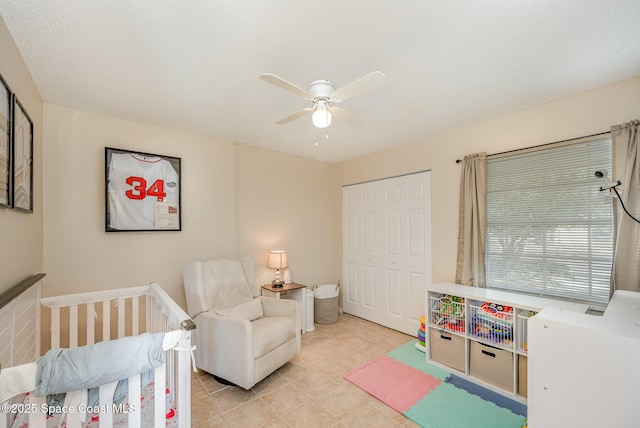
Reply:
x=5, y=144
x=22, y=158
x=142, y=191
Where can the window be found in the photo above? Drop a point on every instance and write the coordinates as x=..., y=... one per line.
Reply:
x=549, y=228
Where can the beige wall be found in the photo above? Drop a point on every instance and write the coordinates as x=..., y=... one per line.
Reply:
x=287, y=202
x=79, y=255
x=584, y=114
x=236, y=200
x=21, y=235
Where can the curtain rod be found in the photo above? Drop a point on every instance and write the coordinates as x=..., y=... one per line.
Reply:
x=543, y=145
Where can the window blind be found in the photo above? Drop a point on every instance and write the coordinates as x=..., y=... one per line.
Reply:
x=549, y=228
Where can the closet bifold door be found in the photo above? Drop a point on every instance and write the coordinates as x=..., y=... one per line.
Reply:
x=359, y=203
x=387, y=250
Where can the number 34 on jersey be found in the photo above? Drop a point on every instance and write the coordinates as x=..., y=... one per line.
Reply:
x=139, y=190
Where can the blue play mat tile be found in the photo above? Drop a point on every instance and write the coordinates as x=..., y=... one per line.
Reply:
x=488, y=395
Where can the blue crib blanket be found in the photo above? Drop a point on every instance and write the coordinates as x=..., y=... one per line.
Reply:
x=85, y=367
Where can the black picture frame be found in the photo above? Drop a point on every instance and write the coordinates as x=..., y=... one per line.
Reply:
x=6, y=133
x=22, y=160
x=142, y=191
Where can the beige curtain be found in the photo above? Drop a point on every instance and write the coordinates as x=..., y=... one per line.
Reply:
x=626, y=261
x=472, y=221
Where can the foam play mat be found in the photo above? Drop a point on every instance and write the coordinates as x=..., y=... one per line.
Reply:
x=433, y=397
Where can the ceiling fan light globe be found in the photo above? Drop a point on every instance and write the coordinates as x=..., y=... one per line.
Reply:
x=321, y=118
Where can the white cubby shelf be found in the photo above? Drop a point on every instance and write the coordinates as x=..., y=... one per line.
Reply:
x=481, y=333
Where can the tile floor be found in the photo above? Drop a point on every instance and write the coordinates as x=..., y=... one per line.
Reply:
x=308, y=391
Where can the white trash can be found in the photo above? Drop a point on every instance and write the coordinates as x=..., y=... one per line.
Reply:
x=308, y=311
x=326, y=303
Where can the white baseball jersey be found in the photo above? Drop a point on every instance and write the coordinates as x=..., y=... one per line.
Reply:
x=136, y=183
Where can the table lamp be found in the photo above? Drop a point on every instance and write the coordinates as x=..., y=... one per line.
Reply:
x=277, y=261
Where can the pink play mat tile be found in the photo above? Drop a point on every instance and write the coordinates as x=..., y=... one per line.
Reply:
x=397, y=385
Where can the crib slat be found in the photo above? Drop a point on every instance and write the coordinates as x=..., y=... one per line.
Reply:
x=135, y=408
x=159, y=411
x=73, y=400
x=91, y=313
x=135, y=313
x=169, y=357
x=149, y=306
x=73, y=326
x=106, y=402
x=55, y=328
x=182, y=391
x=121, y=307
x=106, y=320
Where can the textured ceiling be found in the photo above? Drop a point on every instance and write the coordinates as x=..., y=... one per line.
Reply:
x=194, y=65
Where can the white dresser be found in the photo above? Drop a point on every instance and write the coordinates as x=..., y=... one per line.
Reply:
x=584, y=370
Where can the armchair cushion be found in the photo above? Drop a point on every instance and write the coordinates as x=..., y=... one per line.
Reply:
x=232, y=295
x=251, y=310
x=271, y=332
x=225, y=283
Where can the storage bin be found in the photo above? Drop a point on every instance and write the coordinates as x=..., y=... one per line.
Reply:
x=325, y=305
x=492, y=365
x=492, y=322
x=447, y=349
x=448, y=312
x=522, y=375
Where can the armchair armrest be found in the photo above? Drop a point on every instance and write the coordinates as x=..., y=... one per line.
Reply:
x=234, y=336
x=194, y=289
x=284, y=308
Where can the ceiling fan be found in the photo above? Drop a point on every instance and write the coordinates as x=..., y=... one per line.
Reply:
x=323, y=95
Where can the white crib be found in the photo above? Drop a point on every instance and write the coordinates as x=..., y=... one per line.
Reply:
x=87, y=318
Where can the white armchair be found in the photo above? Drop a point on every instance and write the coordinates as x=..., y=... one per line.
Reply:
x=241, y=337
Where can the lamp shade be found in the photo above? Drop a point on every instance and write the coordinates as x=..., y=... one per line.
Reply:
x=277, y=259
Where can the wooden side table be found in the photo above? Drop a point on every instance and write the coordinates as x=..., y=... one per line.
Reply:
x=293, y=291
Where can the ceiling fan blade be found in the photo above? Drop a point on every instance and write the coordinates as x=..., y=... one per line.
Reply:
x=294, y=116
x=364, y=84
x=281, y=83
x=346, y=117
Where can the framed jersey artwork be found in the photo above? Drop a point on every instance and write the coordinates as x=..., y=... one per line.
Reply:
x=142, y=191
